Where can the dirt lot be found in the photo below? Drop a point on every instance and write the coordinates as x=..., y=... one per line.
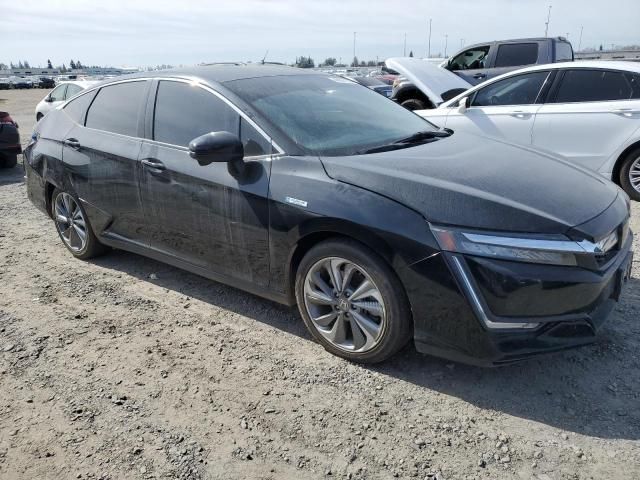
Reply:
x=124, y=368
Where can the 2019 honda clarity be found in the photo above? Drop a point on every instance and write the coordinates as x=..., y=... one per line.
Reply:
x=309, y=189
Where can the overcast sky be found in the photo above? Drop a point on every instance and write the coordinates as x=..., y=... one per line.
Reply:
x=150, y=32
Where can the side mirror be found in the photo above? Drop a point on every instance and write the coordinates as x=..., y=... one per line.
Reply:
x=216, y=147
x=48, y=98
x=463, y=104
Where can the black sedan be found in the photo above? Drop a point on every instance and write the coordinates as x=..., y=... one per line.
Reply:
x=312, y=190
x=9, y=141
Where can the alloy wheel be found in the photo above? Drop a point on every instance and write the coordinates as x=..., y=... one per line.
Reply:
x=344, y=304
x=634, y=175
x=70, y=222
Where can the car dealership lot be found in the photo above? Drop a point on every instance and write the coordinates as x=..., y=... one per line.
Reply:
x=123, y=367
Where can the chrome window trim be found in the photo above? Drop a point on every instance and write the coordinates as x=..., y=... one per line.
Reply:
x=196, y=83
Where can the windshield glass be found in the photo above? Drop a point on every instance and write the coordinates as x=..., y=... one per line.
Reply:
x=328, y=115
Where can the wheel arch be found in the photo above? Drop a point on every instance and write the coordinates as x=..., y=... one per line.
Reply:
x=615, y=174
x=412, y=91
x=329, y=229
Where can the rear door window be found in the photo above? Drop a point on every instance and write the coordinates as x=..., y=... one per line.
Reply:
x=184, y=111
x=593, y=86
x=117, y=108
x=516, y=54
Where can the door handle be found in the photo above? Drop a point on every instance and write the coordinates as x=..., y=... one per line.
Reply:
x=519, y=114
x=153, y=164
x=480, y=75
x=625, y=112
x=72, y=143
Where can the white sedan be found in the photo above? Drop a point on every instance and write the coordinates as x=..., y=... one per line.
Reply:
x=59, y=95
x=588, y=112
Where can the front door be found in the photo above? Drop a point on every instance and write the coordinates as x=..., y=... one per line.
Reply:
x=504, y=109
x=210, y=216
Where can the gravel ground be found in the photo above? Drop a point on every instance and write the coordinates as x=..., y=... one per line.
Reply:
x=123, y=367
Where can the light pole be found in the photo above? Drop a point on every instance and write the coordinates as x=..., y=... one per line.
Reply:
x=446, y=40
x=354, y=45
x=404, y=51
x=546, y=25
x=580, y=41
x=429, y=48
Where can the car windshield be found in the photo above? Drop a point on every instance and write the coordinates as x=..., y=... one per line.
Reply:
x=328, y=115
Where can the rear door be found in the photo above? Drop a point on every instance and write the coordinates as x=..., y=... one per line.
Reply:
x=503, y=109
x=590, y=114
x=209, y=216
x=101, y=156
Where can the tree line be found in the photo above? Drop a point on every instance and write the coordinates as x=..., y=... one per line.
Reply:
x=73, y=65
x=308, y=62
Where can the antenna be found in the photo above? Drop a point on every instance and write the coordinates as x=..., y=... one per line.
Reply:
x=265, y=56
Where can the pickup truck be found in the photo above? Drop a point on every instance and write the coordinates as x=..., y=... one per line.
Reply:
x=480, y=62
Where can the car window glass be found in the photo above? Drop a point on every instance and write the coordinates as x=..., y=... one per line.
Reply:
x=593, y=86
x=634, y=82
x=57, y=94
x=253, y=141
x=564, y=52
x=77, y=108
x=517, y=90
x=516, y=54
x=72, y=90
x=471, y=59
x=184, y=111
x=117, y=108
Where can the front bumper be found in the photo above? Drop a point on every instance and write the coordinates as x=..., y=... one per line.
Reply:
x=490, y=312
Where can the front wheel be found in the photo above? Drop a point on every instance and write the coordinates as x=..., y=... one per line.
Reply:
x=413, y=104
x=73, y=226
x=352, y=302
x=630, y=175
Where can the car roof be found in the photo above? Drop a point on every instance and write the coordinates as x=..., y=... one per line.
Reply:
x=80, y=83
x=607, y=64
x=220, y=73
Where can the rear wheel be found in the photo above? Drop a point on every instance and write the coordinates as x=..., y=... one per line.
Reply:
x=73, y=226
x=9, y=160
x=352, y=302
x=630, y=175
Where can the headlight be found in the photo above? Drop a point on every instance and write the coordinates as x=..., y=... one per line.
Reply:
x=547, y=249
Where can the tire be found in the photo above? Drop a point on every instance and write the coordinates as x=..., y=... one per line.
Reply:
x=9, y=160
x=631, y=168
x=39, y=116
x=366, y=329
x=66, y=205
x=413, y=104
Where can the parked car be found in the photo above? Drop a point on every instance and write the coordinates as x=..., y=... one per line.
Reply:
x=306, y=188
x=5, y=84
x=59, y=95
x=46, y=82
x=9, y=141
x=588, y=112
x=374, y=84
x=22, y=83
x=480, y=62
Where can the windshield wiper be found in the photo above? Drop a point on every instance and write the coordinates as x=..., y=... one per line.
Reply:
x=426, y=135
x=409, y=141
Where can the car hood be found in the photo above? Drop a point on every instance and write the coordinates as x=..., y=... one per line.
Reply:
x=477, y=182
x=431, y=79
